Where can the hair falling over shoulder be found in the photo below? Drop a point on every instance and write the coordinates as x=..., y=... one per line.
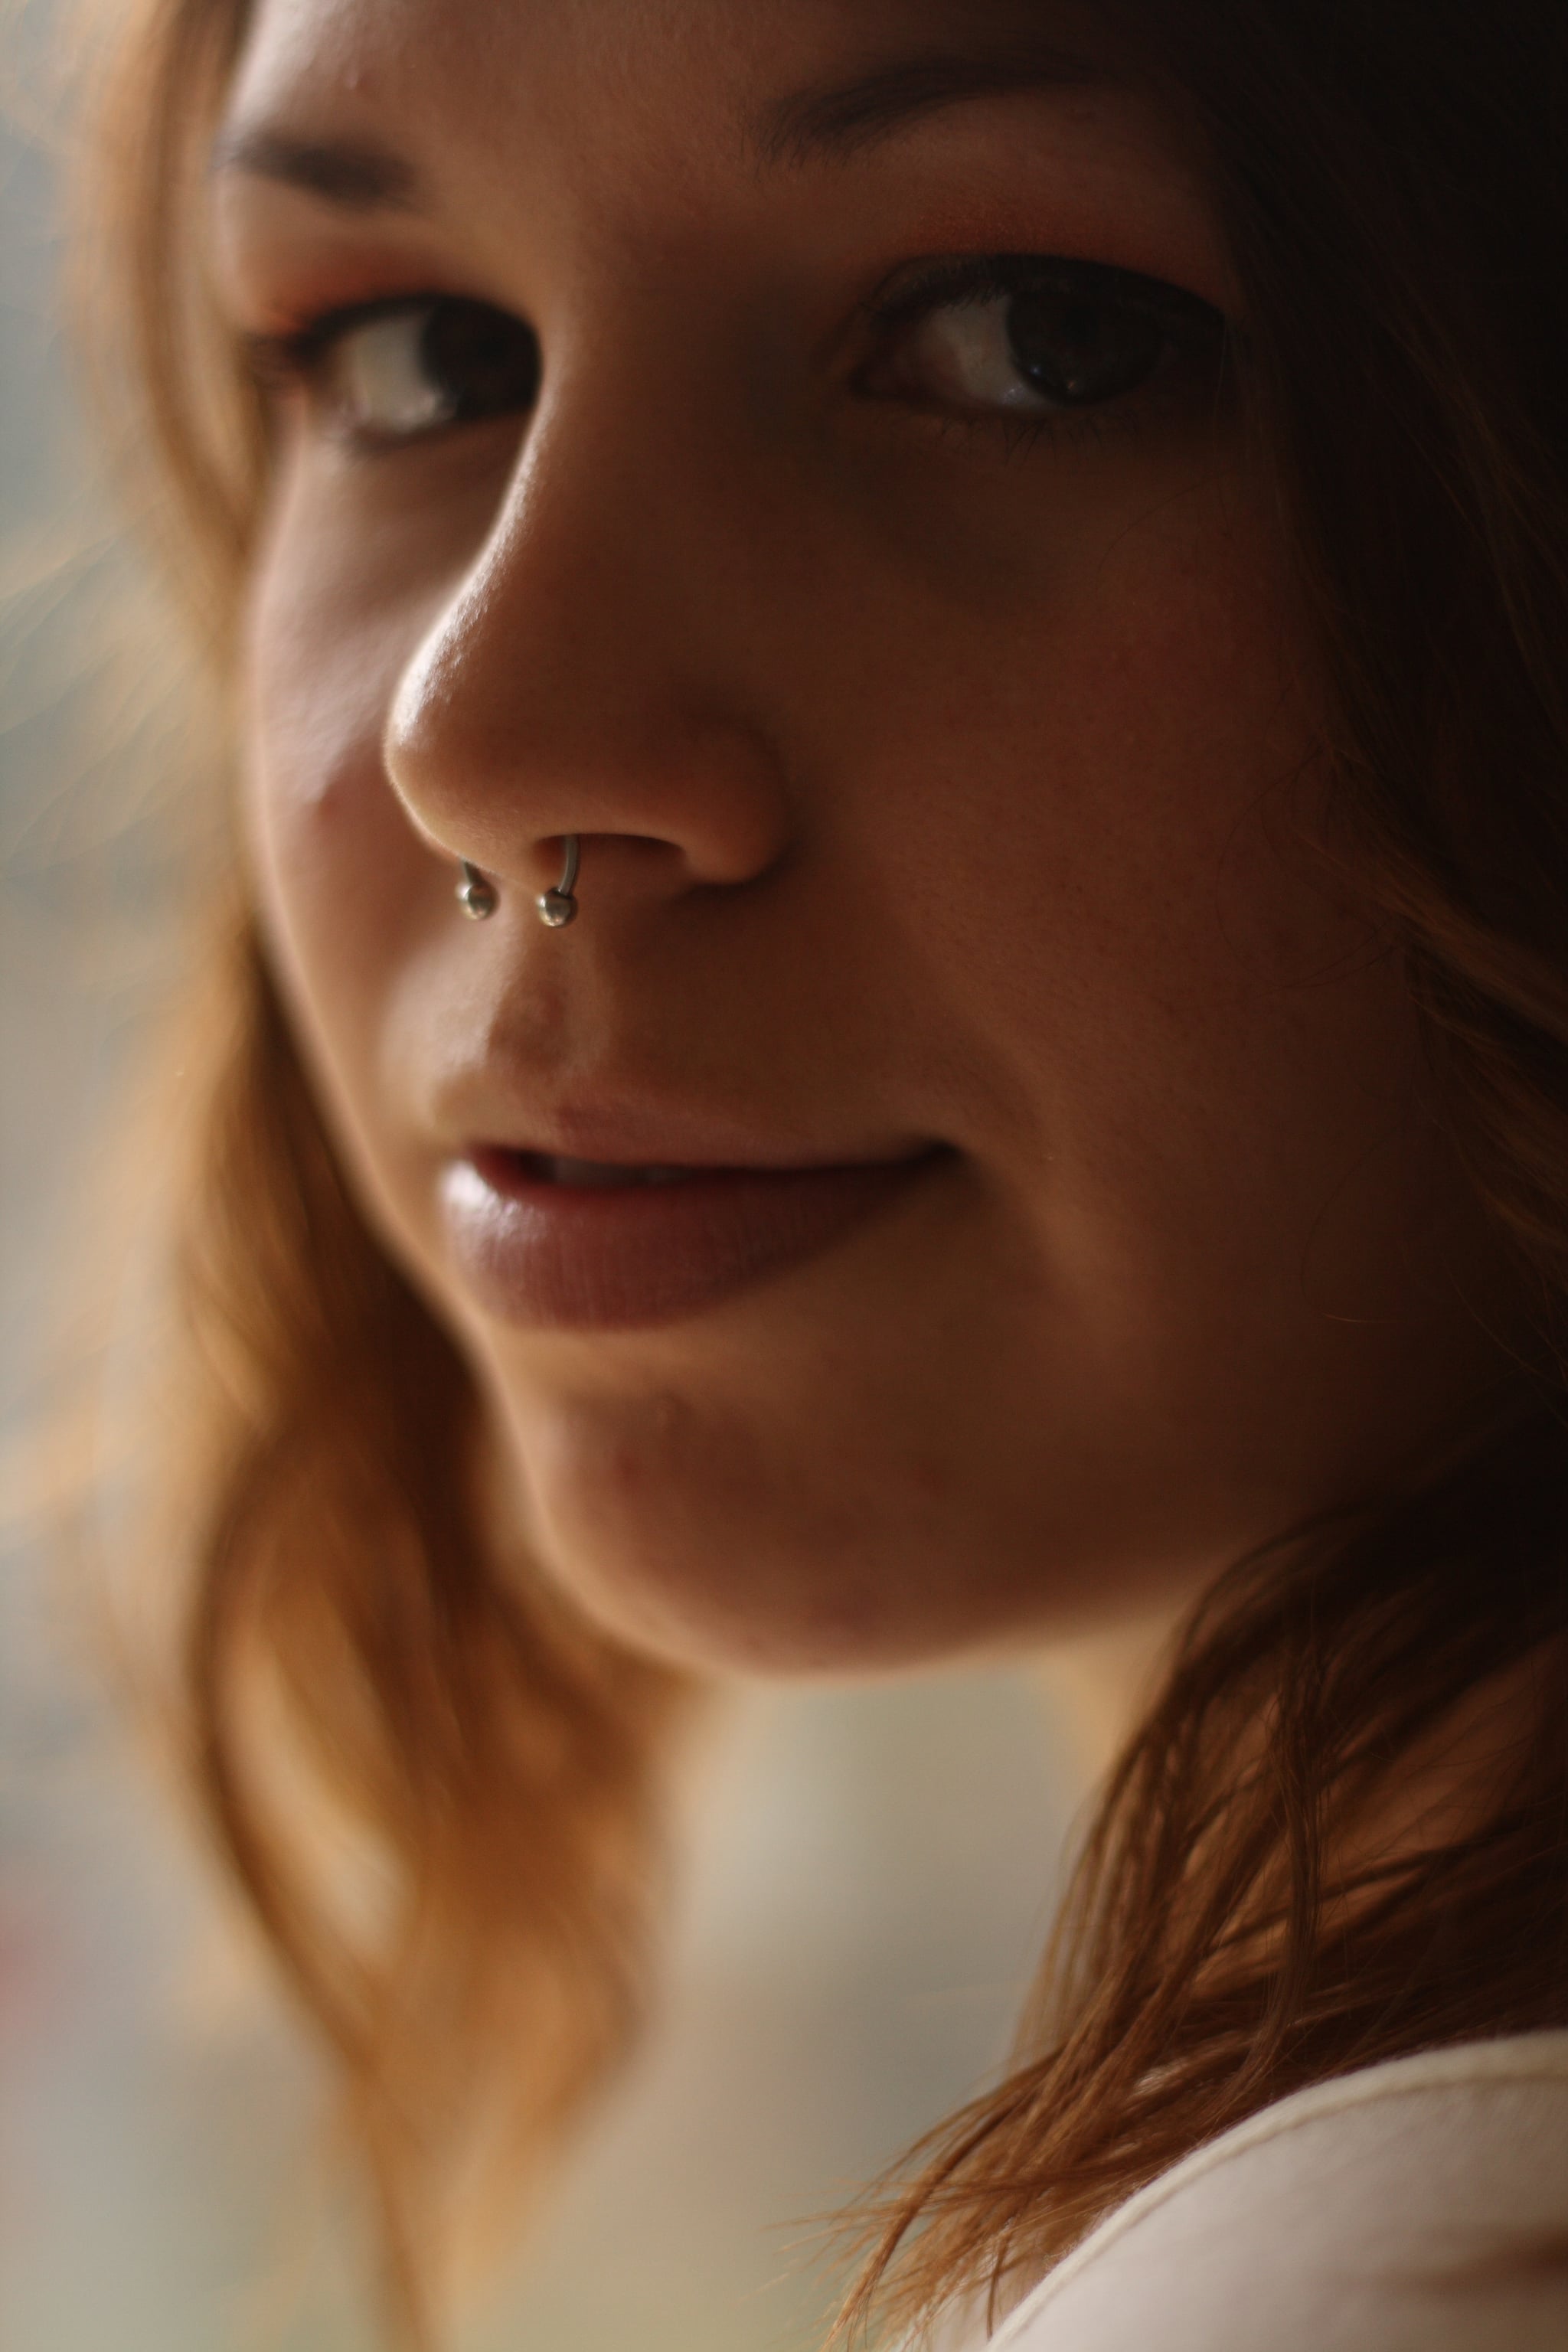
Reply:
x=437, y=1791
x=1390, y=179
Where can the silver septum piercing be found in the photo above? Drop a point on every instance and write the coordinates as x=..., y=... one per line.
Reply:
x=558, y=906
x=476, y=894
x=478, y=898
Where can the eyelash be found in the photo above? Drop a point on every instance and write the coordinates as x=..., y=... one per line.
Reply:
x=294, y=358
x=1188, y=322
x=279, y=362
x=297, y=358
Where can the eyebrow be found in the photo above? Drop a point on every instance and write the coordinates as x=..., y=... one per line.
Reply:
x=833, y=120
x=841, y=118
x=357, y=176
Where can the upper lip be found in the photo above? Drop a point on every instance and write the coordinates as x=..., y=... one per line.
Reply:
x=680, y=1137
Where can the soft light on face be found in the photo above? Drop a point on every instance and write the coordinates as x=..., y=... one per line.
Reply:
x=957, y=1183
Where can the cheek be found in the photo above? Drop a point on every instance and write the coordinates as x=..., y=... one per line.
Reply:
x=342, y=881
x=1175, y=1049
x=1098, y=764
x=355, y=566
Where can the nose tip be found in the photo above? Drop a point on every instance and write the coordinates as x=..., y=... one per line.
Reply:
x=563, y=694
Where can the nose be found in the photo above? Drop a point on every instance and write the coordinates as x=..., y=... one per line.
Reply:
x=588, y=676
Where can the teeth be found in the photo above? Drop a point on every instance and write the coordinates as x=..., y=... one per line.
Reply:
x=604, y=1175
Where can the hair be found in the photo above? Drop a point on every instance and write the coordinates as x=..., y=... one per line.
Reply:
x=1243, y=1921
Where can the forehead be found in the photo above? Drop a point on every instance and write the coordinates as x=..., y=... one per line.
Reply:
x=684, y=131
x=722, y=71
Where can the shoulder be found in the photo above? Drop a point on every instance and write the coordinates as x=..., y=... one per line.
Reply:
x=1420, y=2206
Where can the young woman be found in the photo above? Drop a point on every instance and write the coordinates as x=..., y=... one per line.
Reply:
x=902, y=990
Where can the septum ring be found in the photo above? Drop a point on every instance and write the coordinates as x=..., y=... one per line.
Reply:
x=558, y=906
x=476, y=893
x=478, y=898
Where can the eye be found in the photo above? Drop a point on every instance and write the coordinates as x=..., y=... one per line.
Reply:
x=1033, y=336
x=391, y=372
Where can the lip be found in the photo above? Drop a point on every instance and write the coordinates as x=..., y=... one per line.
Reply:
x=579, y=1257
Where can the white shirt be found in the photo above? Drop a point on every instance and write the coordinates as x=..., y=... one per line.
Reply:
x=1420, y=2206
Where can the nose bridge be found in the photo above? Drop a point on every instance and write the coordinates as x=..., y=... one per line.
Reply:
x=584, y=676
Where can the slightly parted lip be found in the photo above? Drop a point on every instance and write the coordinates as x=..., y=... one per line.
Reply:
x=600, y=1256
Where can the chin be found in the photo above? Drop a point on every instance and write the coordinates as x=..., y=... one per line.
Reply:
x=750, y=1615
x=724, y=1580
x=770, y=1541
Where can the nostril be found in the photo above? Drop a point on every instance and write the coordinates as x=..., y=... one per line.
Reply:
x=505, y=760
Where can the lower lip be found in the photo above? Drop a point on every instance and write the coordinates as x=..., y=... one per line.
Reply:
x=616, y=1258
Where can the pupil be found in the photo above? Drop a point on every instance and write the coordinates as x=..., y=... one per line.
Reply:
x=486, y=363
x=1076, y=350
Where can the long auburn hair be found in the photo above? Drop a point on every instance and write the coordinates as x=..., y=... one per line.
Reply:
x=1388, y=171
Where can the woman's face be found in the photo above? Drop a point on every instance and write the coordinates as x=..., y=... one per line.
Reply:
x=961, y=1176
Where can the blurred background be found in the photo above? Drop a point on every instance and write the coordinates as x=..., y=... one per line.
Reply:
x=871, y=1872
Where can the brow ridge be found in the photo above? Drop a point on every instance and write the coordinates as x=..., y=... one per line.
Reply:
x=835, y=120
x=842, y=118
x=355, y=175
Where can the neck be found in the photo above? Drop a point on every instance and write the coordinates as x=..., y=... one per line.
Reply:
x=1099, y=1685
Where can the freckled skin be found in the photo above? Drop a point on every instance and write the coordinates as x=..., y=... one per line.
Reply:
x=933, y=788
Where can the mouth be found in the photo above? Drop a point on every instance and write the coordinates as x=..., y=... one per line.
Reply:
x=598, y=1175
x=548, y=1242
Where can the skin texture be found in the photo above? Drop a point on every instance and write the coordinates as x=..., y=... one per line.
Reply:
x=938, y=784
